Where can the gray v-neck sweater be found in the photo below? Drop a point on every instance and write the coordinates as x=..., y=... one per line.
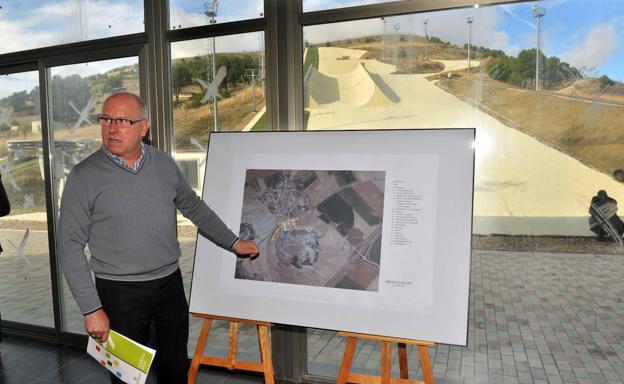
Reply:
x=129, y=222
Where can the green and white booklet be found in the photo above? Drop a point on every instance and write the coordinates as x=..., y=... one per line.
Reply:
x=124, y=357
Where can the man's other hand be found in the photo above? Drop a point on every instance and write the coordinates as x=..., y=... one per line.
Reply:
x=246, y=247
x=96, y=325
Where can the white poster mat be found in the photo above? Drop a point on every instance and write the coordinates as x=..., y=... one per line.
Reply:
x=423, y=277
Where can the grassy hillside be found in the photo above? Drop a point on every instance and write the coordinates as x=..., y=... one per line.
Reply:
x=411, y=53
x=234, y=113
x=590, y=132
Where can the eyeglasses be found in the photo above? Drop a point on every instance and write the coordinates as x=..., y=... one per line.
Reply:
x=121, y=122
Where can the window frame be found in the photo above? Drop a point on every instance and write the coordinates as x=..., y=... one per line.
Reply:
x=42, y=60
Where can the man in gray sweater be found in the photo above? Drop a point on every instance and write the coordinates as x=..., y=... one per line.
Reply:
x=122, y=202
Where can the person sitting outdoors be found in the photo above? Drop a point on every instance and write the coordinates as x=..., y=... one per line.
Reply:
x=604, y=220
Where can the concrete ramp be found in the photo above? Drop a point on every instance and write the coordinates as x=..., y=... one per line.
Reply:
x=355, y=89
x=456, y=65
x=333, y=61
x=339, y=67
x=384, y=95
x=320, y=89
x=333, y=53
x=376, y=66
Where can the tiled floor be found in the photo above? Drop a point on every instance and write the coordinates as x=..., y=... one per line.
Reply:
x=534, y=318
x=31, y=362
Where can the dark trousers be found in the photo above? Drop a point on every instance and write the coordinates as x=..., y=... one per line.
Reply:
x=133, y=306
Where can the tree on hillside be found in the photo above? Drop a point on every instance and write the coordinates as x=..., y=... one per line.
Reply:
x=198, y=67
x=237, y=67
x=34, y=97
x=526, y=63
x=180, y=77
x=500, y=68
x=606, y=80
x=483, y=52
x=556, y=72
x=72, y=88
x=436, y=40
x=113, y=83
x=518, y=70
x=20, y=101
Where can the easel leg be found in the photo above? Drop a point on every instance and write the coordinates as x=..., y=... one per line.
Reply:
x=425, y=363
x=403, y=361
x=386, y=362
x=265, y=353
x=233, y=344
x=199, y=350
x=346, y=360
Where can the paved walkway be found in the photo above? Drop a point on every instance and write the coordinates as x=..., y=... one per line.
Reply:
x=534, y=317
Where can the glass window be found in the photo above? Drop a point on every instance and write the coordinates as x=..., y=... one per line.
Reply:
x=190, y=170
x=40, y=23
x=542, y=83
x=190, y=13
x=216, y=92
x=321, y=5
x=25, y=288
x=76, y=95
x=235, y=75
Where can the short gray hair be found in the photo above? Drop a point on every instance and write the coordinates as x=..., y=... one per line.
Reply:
x=143, y=112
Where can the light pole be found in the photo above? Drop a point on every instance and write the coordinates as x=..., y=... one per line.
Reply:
x=469, y=19
x=538, y=12
x=253, y=74
x=383, y=38
x=262, y=69
x=397, y=28
x=211, y=12
x=425, y=22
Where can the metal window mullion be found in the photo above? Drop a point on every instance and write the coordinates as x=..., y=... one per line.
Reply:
x=271, y=70
x=282, y=37
x=284, y=66
x=70, y=50
x=32, y=331
x=25, y=67
x=91, y=55
x=392, y=9
x=216, y=30
x=47, y=138
x=155, y=64
x=295, y=67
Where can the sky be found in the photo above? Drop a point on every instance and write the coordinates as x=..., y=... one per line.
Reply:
x=588, y=34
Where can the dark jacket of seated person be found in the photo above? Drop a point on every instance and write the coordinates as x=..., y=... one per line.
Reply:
x=604, y=220
x=5, y=206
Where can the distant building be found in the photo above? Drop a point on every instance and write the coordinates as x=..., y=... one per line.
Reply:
x=35, y=127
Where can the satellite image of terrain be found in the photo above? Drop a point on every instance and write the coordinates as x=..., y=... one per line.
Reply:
x=313, y=227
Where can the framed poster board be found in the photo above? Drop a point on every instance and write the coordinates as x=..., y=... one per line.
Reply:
x=361, y=231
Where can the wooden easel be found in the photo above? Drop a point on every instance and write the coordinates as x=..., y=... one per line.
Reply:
x=386, y=361
x=264, y=366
